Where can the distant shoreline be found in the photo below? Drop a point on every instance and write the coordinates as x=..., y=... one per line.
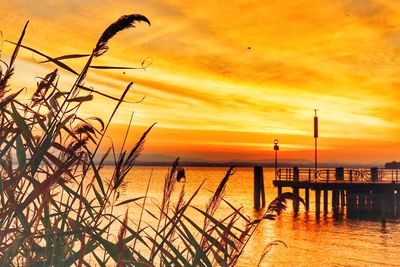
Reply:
x=252, y=164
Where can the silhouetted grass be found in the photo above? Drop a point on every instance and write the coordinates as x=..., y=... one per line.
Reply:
x=56, y=208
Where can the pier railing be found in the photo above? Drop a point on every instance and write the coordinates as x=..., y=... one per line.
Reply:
x=339, y=174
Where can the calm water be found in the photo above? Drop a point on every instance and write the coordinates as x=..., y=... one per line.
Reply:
x=323, y=242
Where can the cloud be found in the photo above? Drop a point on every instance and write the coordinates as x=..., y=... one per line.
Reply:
x=237, y=66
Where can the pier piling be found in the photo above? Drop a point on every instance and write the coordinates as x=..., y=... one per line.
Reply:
x=335, y=200
x=325, y=201
x=259, y=191
x=317, y=202
x=351, y=202
x=279, y=190
x=296, y=177
x=295, y=201
x=342, y=199
x=307, y=198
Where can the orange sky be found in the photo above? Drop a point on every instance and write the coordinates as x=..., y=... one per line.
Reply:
x=214, y=98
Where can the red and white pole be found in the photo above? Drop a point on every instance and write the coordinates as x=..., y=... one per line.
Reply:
x=315, y=138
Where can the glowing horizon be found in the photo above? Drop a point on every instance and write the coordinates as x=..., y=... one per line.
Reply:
x=229, y=78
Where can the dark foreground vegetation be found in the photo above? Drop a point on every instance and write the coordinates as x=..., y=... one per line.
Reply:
x=56, y=209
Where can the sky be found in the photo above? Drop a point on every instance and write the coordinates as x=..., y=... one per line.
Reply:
x=228, y=77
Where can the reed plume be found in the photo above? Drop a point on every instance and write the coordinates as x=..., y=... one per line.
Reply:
x=124, y=22
x=10, y=67
x=268, y=248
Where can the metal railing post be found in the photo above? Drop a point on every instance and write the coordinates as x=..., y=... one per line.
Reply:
x=296, y=174
x=374, y=174
x=339, y=173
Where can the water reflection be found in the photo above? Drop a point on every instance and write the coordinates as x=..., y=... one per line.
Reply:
x=332, y=239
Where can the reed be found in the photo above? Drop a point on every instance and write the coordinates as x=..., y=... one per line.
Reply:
x=57, y=209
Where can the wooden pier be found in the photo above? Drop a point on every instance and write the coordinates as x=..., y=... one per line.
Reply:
x=370, y=192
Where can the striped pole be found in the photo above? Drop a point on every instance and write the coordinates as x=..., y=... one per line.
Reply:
x=315, y=142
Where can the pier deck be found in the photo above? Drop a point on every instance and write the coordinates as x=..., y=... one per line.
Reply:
x=362, y=192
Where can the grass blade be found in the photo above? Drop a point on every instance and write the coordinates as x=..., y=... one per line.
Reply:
x=53, y=60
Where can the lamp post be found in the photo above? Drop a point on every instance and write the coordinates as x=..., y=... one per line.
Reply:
x=276, y=148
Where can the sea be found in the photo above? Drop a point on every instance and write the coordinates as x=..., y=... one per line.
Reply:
x=327, y=241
